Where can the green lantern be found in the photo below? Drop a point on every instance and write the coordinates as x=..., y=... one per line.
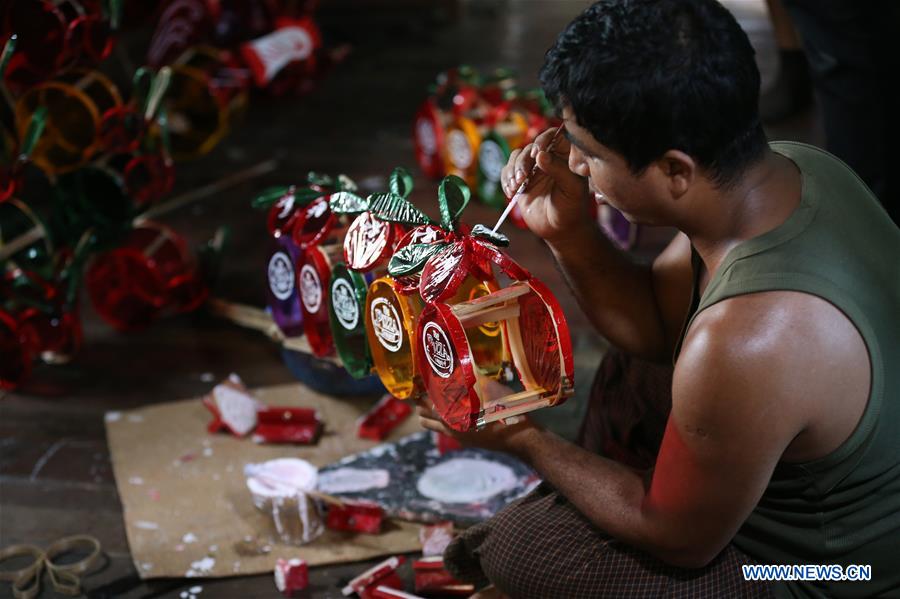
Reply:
x=346, y=312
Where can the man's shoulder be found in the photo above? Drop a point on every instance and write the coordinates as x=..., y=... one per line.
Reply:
x=770, y=348
x=756, y=323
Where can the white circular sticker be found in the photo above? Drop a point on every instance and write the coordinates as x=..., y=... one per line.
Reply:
x=426, y=137
x=310, y=288
x=386, y=324
x=343, y=302
x=459, y=149
x=281, y=275
x=437, y=350
x=491, y=159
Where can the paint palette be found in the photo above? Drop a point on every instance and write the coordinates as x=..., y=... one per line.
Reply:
x=475, y=483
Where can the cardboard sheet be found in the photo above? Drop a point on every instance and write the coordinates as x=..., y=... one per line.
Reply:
x=186, y=505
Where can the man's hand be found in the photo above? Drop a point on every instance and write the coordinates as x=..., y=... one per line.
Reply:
x=496, y=436
x=556, y=201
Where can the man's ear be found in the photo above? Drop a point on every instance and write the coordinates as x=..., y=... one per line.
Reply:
x=679, y=170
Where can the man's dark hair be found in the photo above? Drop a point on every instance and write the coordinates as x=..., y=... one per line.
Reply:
x=647, y=76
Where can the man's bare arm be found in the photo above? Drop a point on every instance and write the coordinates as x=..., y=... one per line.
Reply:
x=639, y=308
x=721, y=444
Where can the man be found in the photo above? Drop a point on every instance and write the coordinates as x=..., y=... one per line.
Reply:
x=778, y=299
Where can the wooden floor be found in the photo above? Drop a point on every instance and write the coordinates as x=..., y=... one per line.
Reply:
x=55, y=475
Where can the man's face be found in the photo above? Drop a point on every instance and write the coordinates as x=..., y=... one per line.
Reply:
x=608, y=175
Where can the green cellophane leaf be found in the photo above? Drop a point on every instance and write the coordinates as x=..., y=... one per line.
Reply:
x=453, y=197
x=8, y=48
x=141, y=83
x=159, y=84
x=401, y=182
x=393, y=208
x=322, y=179
x=35, y=129
x=114, y=13
x=305, y=195
x=482, y=232
x=412, y=258
x=269, y=196
x=345, y=183
x=345, y=202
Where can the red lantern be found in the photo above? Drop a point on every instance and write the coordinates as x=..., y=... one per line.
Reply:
x=131, y=286
x=314, y=276
x=534, y=331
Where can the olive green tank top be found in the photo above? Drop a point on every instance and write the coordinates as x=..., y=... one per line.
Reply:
x=840, y=245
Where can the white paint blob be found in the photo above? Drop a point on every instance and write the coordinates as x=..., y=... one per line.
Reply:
x=353, y=480
x=465, y=480
x=145, y=525
x=284, y=477
x=201, y=567
x=189, y=538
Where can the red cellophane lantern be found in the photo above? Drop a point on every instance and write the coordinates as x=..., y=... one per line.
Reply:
x=454, y=349
x=152, y=272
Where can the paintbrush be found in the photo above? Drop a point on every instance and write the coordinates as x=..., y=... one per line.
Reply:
x=527, y=181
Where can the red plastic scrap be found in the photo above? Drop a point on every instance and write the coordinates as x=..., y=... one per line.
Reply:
x=355, y=516
x=233, y=407
x=383, y=574
x=432, y=577
x=287, y=425
x=384, y=417
x=291, y=576
x=384, y=592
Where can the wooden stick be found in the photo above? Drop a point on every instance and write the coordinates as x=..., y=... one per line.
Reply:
x=207, y=190
x=504, y=295
x=269, y=479
x=329, y=499
x=493, y=314
x=526, y=182
x=21, y=242
x=523, y=408
x=521, y=396
x=260, y=320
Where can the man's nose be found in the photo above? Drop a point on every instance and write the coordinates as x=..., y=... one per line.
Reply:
x=576, y=163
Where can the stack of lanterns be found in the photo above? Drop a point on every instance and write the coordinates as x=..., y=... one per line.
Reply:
x=469, y=126
x=429, y=307
x=108, y=160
